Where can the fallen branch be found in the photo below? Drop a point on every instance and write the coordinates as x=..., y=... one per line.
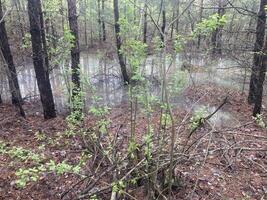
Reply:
x=201, y=122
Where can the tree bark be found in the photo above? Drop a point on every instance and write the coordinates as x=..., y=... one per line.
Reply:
x=119, y=42
x=258, y=47
x=103, y=21
x=42, y=76
x=145, y=23
x=259, y=82
x=43, y=35
x=217, y=34
x=99, y=20
x=75, y=50
x=163, y=26
x=11, y=70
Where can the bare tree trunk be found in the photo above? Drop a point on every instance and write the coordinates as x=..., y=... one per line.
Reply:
x=145, y=23
x=259, y=82
x=99, y=20
x=217, y=34
x=42, y=76
x=75, y=50
x=11, y=70
x=43, y=35
x=119, y=42
x=103, y=21
x=257, y=60
x=163, y=26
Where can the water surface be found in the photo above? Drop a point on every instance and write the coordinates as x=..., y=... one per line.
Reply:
x=104, y=75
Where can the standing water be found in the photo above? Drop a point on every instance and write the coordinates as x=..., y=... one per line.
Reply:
x=104, y=75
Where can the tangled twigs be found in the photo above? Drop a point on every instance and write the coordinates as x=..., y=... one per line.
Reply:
x=203, y=120
x=72, y=187
x=203, y=164
x=125, y=174
x=200, y=123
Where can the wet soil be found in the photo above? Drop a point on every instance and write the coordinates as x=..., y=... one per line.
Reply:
x=234, y=168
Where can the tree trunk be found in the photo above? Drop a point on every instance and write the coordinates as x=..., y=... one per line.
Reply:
x=217, y=34
x=163, y=26
x=8, y=60
x=75, y=50
x=145, y=23
x=259, y=82
x=257, y=60
x=42, y=76
x=43, y=35
x=103, y=21
x=119, y=42
x=99, y=20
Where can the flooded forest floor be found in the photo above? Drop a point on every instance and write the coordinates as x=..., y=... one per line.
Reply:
x=234, y=168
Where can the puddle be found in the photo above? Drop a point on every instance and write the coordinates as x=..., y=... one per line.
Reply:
x=104, y=75
x=221, y=119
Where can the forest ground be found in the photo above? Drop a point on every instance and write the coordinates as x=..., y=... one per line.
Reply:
x=237, y=170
